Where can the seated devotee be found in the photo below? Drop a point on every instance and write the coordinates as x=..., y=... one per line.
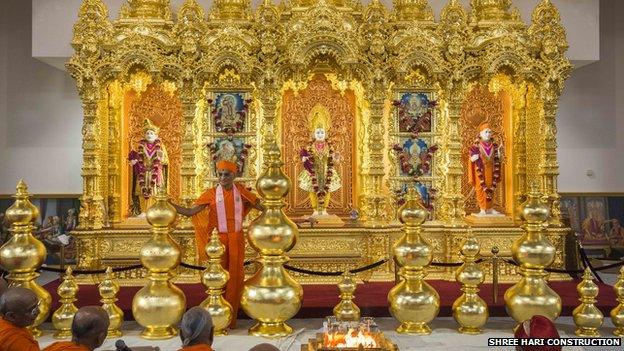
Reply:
x=264, y=347
x=538, y=327
x=89, y=329
x=196, y=330
x=19, y=308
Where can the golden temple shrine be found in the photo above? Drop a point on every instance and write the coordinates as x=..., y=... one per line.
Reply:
x=401, y=97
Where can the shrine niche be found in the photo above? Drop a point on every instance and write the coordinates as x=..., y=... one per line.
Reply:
x=400, y=98
x=299, y=120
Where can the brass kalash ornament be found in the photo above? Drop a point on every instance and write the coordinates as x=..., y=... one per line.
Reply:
x=271, y=296
x=24, y=253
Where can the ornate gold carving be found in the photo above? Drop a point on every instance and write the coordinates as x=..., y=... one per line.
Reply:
x=370, y=51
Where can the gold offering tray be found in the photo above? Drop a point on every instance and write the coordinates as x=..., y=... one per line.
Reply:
x=316, y=344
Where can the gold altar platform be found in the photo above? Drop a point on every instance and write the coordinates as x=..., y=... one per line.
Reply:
x=317, y=249
x=403, y=93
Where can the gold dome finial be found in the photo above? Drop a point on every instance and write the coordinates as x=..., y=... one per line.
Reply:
x=346, y=309
x=534, y=210
x=161, y=214
x=64, y=315
x=214, y=278
x=108, y=292
x=587, y=317
x=412, y=212
x=617, y=314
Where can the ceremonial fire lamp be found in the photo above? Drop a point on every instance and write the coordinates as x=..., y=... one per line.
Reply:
x=23, y=254
x=413, y=302
x=531, y=295
x=159, y=305
x=214, y=279
x=271, y=296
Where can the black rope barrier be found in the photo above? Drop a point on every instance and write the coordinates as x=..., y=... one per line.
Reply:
x=587, y=263
x=336, y=273
x=570, y=271
x=89, y=271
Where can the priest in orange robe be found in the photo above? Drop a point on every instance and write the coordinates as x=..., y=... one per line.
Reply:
x=484, y=169
x=196, y=330
x=19, y=308
x=89, y=330
x=224, y=207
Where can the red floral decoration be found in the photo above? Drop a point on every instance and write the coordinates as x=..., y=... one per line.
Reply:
x=413, y=125
x=240, y=124
x=308, y=165
x=475, y=150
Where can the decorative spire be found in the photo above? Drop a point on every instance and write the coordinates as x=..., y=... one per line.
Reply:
x=146, y=9
x=230, y=10
x=92, y=27
x=412, y=10
x=491, y=10
x=546, y=31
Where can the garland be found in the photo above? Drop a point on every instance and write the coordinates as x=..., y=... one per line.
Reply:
x=140, y=169
x=489, y=191
x=308, y=164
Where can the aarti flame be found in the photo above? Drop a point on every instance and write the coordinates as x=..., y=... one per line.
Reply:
x=351, y=339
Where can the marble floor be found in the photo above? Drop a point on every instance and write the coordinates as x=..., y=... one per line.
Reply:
x=444, y=336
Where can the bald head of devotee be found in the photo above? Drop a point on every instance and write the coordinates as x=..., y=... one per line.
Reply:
x=196, y=330
x=19, y=308
x=89, y=329
x=264, y=347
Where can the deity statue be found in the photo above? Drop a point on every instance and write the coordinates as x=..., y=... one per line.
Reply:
x=484, y=169
x=319, y=177
x=230, y=118
x=149, y=168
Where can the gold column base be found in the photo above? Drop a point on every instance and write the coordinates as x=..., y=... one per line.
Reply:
x=414, y=328
x=114, y=334
x=62, y=334
x=618, y=331
x=158, y=333
x=271, y=330
x=470, y=330
x=587, y=332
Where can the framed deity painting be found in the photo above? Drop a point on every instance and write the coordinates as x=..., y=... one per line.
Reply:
x=615, y=224
x=229, y=111
x=230, y=148
x=414, y=157
x=594, y=212
x=414, y=112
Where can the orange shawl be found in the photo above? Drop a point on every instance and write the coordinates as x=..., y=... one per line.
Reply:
x=198, y=347
x=66, y=346
x=13, y=338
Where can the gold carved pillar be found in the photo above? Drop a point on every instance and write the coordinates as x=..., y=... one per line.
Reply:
x=92, y=30
x=374, y=199
x=115, y=101
x=453, y=197
x=91, y=201
x=549, y=167
x=548, y=34
x=188, y=171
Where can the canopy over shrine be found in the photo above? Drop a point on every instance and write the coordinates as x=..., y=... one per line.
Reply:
x=404, y=95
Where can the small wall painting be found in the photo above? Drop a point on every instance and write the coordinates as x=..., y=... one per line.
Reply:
x=414, y=112
x=414, y=157
x=229, y=111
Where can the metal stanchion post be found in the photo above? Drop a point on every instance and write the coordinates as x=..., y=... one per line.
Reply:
x=495, y=274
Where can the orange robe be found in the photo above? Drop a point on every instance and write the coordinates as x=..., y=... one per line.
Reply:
x=199, y=347
x=488, y=172
x=66, y=346
x=234, y=242
x=13, y=338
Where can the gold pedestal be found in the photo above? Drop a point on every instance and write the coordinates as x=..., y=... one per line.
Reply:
x=328, y=221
